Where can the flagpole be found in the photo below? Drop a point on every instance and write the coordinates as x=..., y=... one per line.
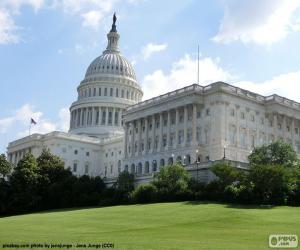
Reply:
x=198, y=67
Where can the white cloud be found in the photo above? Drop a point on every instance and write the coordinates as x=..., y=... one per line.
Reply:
x=151, y=48
x=20, y=120
x=259, y=21
x=286, y=85
x=7, y=28
x=92, y=12
x=183, y=73
x=92, y=19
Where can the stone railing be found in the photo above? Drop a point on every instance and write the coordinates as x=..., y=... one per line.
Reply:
x=219, y=86
x=190, y=88
x=25, y=139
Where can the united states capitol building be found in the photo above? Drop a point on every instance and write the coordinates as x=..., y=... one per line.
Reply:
x=112, y=130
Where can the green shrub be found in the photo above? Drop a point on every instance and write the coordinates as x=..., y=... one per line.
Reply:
x=144, y=193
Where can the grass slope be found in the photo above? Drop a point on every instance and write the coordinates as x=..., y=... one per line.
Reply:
x=156, y=226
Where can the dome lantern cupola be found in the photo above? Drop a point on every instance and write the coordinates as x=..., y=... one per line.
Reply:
x=113, y=38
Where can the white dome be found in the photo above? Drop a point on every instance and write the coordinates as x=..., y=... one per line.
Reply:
x=109, y=87
x=110, y=63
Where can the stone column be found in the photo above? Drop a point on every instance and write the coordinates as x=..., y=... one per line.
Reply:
x=126, y=140
x=238, y=144
x=81, y=116
x=146, y=135
x=185, y=118
x=93, y=116
x=132, y=138
x=86, y=116
x=139, y=135
x=194, y=125
x=275, y=126
x=120, y=117
x=153, y=133
x=160, y=135
x=176, y=127
x=284, y=128
x=293, y=131
x=168, y=128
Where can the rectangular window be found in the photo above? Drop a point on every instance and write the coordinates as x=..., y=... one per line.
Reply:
x=75, y=167
x=105, y=92
x=207, y=112
x=99, y=91
x=111, y=91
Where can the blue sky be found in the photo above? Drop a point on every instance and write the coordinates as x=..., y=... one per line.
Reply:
x=47, y=45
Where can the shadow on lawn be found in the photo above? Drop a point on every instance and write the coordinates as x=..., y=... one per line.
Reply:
x=229, y=205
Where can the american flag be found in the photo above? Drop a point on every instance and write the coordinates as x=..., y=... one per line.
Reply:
x=32, y=121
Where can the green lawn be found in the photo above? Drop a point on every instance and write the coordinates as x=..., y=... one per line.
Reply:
x=156, y=226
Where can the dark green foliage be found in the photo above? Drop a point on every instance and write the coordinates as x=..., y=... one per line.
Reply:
x=123, y=187
x=43, y=183
x=5, y=166
x=172, y=182
x=276, y=153
x=24, y=186
x=144, y=193
x=270, y=183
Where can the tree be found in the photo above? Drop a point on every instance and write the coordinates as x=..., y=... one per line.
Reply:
x=24, y=182
x=51, y=167
x=227, y=174
x=5, y=166
x=271, y=183
x=276, y=153
x=123, y=187
x=172, y=182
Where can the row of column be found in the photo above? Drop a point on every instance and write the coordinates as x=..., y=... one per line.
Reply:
x=155, y=134
x=95, y=116
x=266, y=128
x=16, y=156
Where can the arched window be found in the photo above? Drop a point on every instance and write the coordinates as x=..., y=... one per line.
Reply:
x=132, y=169
x=170, y=161
x=140, y=168
x=119, y=166
x=126, y=168
x=154, y=166
x=187, y=159
x=162, y=162
x=178, y=159
x=146, y=167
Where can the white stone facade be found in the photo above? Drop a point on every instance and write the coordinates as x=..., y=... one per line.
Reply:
x=203, y=124
x=111, y=130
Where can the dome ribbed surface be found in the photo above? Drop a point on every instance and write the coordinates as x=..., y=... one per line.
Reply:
x=111, y=63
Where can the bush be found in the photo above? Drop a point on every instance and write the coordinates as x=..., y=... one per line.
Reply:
x=172, y=183
x=144, y=193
